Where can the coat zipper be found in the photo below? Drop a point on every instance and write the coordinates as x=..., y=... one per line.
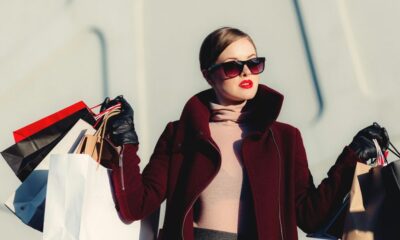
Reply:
x=279, y=185
x=121, y=168
x=194, y=200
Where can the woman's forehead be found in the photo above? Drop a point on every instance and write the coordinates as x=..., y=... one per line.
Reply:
x=241, y=49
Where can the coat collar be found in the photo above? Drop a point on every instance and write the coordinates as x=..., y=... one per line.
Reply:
x=266, y=106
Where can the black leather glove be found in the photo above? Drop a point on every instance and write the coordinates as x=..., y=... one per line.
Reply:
x=363, y=145
x=121, y=128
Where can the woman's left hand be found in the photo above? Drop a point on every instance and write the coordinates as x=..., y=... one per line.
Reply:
x=363, y=145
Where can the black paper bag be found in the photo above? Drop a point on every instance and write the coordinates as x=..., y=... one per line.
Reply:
x=24, y=156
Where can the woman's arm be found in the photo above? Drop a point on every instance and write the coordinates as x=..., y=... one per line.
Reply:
x=138, y=195
x=315, y=205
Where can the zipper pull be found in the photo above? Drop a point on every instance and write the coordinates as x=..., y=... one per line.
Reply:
x=121, y=168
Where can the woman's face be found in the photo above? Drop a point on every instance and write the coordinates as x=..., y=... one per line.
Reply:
x=243, y=87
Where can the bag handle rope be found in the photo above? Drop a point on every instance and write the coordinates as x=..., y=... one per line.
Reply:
x=100, y=133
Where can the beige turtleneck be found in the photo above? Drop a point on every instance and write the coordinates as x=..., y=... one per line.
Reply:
x=221, y=205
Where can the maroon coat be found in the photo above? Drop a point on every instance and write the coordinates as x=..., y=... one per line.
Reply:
x=186, y=159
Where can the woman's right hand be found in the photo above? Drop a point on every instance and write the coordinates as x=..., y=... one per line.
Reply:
x=121, y=127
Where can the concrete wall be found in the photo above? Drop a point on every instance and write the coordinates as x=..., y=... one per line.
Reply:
x=335, y=62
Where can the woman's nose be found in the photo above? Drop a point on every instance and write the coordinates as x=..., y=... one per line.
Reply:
x=246, y=71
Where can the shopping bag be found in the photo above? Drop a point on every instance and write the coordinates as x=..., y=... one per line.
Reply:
x=365, y=214
x=363, y=220
x=25, y=155
x=28, y=200
x=391, y=204
x=80, y=203
x=45, y=122
x=97, y=145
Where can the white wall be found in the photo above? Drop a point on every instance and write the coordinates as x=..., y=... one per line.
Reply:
x=54, y=53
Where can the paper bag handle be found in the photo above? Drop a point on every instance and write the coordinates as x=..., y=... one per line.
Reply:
x=102, y=129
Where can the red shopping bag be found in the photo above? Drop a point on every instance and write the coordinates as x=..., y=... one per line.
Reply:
x=45, y=122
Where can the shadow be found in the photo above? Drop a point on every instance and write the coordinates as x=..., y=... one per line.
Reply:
x=149, y=226
x=104, y=59
x=310, y=60
x=77, y=141
x=391, y=205
x=246, y=218
x=30, y=198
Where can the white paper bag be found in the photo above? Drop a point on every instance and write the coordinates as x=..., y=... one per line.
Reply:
x=27, y=202
x=80, y=203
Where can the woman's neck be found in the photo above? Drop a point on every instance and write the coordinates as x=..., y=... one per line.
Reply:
x=226, y=102
x=228, y=113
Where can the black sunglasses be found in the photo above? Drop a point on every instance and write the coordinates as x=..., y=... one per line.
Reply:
x=235, y=68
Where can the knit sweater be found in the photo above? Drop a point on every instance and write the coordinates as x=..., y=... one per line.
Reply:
x=222, y=205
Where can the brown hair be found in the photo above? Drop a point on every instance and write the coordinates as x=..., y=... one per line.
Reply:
x=215, y=43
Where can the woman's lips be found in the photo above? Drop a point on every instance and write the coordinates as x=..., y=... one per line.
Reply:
x=246, y=84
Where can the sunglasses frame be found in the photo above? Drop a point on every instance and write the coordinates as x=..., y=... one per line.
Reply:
x=239, y=63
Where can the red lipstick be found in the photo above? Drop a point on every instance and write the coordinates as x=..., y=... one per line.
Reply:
x=246, y=84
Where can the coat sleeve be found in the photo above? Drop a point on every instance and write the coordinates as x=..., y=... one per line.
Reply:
x=138, y=195
x=314, y=205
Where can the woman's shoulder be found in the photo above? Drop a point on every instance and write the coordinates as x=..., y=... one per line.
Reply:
x=285, y=128
x=171, y=128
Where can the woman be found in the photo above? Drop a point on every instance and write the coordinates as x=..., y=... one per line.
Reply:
x=227, y=168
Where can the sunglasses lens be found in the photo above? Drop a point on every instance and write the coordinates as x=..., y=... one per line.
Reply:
x=232, y=69
x=256, y=65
